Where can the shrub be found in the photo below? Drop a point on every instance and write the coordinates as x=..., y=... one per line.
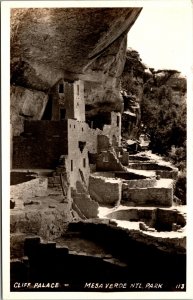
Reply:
x=180, y=188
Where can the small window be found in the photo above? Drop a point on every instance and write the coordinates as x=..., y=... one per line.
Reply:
x=74, y=126
x=117, y=121
x=61, y=88
x=77, y=104
x=84, y=162
x=82, y=129
x=71, y=165
x=105, y=158
x=77, y=89
x=62, y=114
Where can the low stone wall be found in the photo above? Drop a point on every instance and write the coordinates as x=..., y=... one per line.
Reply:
x=149, y=166
x=108, y=161
x=139, y=183
x=48, y=222
x=124, y=158
x=152, y=196
x=133, y=158
x=173, y=174
x=21, y=177
x=105, y=190
x=120, y=238
x=159, y=219
x=162, y=170
x=165, y=219
x=133, y=215
x=83, y=204
x=104, y=174
x=29, y=189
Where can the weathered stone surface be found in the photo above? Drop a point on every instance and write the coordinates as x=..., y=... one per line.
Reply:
x=105, y=190
x=159, y=195
x=108, y=161
x=25, y=104
x=68, y=39
x=48, y=44
x=83, y=203
x=162, y=170
x=33, y=188
x=41, y=220
x=132, y=81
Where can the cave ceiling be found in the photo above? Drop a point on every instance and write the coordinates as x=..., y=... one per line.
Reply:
x=74, y=43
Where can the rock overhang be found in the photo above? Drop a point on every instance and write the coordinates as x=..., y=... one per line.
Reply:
x=66, y=39
x=48, y=44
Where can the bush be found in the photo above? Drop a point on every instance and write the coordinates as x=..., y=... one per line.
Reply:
x=180, y=188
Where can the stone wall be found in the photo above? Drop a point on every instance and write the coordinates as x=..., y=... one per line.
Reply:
x=153, y=196
x=120, y=240
x=108, y=161
x=69, y=96
x=139, y=183
x=62, y=99
x=105, y=190
x=114, y=130
x=45, y=128
x=44, y=143
x=162, y=170
x=173, y=174
x=82, y=202
x=103, y=143
x=48, y=222
x=79, y=101
x=124, y=158
x=165, y=218
x=32, y=188
x=77, y=160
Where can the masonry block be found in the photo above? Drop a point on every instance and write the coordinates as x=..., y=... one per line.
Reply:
x=105, y=190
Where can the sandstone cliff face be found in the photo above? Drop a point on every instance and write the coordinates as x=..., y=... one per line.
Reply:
x=71, y=43
x=26, y=104
x=132, y=81
x=139, y=81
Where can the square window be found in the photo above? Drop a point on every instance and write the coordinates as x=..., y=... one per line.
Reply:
x=61, y=88
x=105, y=158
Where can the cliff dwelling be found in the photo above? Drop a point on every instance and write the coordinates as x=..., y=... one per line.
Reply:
x=81, y=202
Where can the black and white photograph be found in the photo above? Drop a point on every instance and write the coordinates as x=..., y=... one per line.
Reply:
x=95, y=149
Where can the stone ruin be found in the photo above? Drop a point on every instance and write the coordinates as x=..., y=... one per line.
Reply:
x=66, y=172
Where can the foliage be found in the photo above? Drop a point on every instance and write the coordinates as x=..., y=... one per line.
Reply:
x=180, y=188
x=164, y=119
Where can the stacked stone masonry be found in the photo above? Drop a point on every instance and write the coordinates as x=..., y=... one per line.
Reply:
x=162, y=170
x=105, y=190
x=152, y=196
x=82, y=200
x=41, y=146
